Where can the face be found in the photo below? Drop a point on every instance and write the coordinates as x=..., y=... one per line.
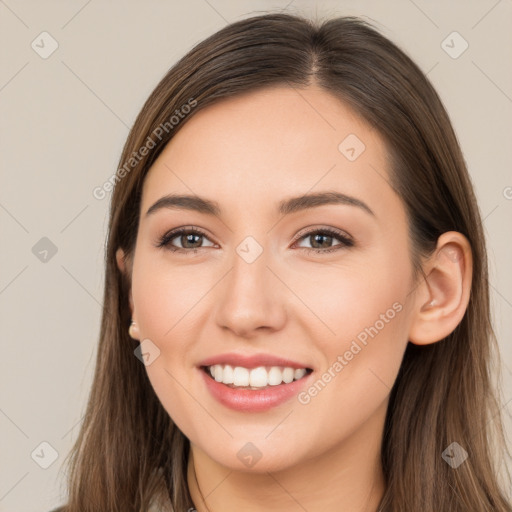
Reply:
x=276, y=325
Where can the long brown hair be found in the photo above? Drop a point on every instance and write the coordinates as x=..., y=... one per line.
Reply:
x=129, y=454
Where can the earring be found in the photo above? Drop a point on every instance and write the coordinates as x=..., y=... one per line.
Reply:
x=432, y=303
x=132, y=330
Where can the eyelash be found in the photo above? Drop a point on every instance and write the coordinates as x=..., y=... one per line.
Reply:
x=165, y=240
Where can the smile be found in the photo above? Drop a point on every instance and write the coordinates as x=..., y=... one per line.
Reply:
x=253, y=383
x=254, y=378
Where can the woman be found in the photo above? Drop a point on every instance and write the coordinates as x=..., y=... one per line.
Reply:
x=296, y=309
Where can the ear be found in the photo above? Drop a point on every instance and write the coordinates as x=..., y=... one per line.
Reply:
x=442, y=297
x=125, y=268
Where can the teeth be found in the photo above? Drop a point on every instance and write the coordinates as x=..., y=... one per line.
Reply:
x=228, y=375
x=275, y=376
x=260, y=377
x=240, y=375
x=288, y=375
x=299, y=373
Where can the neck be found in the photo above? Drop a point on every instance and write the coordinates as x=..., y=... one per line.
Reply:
x=347, y=477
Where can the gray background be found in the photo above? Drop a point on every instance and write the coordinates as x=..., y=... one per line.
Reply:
x=64, y=119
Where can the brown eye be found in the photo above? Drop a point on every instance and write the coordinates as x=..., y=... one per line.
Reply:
x=190, y=239
x=321, y=240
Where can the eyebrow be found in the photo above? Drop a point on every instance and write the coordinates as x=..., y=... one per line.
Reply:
x=285, y=207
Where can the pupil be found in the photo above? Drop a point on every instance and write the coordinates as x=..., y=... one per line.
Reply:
x=190, y=238
x=316, y=237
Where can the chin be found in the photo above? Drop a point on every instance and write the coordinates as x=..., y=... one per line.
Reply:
x=258, y=456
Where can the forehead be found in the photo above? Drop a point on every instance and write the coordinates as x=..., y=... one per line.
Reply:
x=261, y=146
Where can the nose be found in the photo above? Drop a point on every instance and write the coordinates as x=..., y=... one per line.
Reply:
x=251, y=299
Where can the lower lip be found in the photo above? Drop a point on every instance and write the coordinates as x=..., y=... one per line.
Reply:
x=248, y=400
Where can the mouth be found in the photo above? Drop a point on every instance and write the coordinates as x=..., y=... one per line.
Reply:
x=254, y=390
x=253, y=383
x=259, y=378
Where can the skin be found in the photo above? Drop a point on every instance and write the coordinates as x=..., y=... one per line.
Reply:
x=248, y=153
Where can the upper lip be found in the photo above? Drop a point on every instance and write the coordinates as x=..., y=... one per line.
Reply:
x=251, y=361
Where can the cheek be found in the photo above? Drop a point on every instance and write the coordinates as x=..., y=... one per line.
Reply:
x=165, y=297
x=354, y=301
x=370, y=337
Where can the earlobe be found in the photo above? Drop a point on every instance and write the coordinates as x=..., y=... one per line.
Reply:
x=442, y=298
x=133, y=331
x=120, y=260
